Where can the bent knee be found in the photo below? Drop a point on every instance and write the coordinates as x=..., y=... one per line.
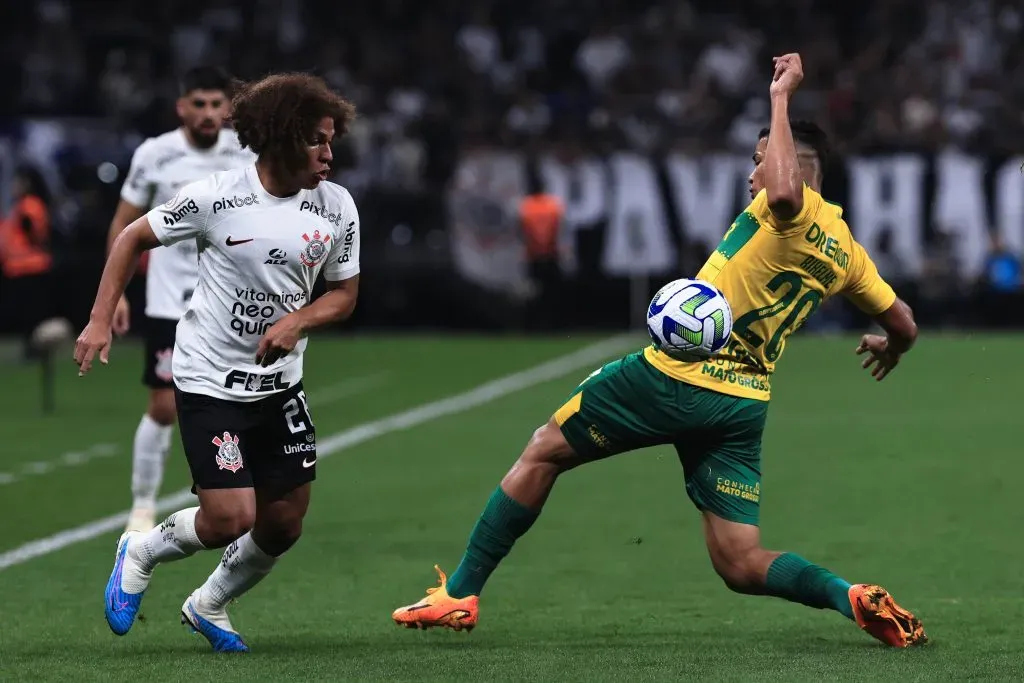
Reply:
x=161, y=408
x=223, y=527
x=278, y=531
x=743, y=568
x=548, y=447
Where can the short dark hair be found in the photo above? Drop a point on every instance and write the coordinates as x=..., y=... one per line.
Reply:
x=276, y=116
x=808, y=133
x=205, y=78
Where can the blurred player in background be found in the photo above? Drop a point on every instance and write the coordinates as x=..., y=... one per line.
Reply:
x=160, y=167
x=265, y=233
x=788, y=251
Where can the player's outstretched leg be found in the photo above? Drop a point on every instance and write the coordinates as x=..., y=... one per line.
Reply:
x=510, y=512
x=746, y=567
x=245, y=563
x=149, y=454
x=138, y=554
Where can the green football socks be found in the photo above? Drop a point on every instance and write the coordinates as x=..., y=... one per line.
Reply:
x=503, y=521
x=793, y=578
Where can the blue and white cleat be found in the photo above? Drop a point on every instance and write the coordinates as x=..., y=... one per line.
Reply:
x=212, y=624
x=122, y=606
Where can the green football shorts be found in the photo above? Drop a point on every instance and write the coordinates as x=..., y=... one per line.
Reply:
x=628, y=404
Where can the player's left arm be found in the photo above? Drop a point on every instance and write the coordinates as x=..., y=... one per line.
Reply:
x=341, y=271
x=866, y=289
x=336, y=304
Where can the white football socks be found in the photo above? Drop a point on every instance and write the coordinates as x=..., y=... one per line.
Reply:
x=149, y=452
x=242, y=567
x=174, y=539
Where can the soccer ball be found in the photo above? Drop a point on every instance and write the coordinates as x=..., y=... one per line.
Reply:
x=689, y=319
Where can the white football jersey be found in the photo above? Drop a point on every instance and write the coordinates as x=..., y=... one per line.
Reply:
x=259, y=256
x=160, y=167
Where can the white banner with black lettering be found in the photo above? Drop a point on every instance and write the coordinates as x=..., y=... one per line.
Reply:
x=648, y=209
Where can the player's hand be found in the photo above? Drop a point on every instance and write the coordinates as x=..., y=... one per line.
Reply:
x=279, y=340
x=122, y=317
x=879, y=356
x=789, y=71
x=94, y=341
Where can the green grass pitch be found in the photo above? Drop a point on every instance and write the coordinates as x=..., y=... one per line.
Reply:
x=913, y=483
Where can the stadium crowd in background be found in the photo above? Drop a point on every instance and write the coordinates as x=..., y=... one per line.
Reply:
x=434, y=79
x=642, y=74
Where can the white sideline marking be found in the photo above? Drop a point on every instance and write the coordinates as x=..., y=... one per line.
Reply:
x=347, y=388
x=458, y=403
x=69, y=459
x=321, y=397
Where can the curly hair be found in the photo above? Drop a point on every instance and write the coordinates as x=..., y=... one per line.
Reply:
x=276, y=117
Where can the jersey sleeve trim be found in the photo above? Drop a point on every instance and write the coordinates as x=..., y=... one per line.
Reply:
x=340, y=276
x=189, y=200
x=883, y=303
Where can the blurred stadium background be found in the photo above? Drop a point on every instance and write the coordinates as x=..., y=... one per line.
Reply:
x=640, y=117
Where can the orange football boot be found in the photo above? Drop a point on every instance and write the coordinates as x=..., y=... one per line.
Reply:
x=878, y=614
x=439, y=609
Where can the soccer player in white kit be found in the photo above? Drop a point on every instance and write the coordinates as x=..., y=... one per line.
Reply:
x=264, y=234
x=160, y=167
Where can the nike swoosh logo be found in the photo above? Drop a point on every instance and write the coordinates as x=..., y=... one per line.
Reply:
x=308, y=463
x=231, y=243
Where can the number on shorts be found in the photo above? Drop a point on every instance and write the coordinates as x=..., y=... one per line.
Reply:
x=291, y=412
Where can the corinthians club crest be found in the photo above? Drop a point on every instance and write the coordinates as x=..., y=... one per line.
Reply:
x=316, y=249
x=229, y=457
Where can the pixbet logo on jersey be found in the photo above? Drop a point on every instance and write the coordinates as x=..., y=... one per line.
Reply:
x=182, y=210
x=316, y=248
x=225, y=203
x=321, y=211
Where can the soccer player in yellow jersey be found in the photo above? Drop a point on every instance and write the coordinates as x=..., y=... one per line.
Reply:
x=788, y=251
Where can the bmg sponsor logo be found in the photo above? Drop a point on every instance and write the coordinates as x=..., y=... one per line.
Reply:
x=347, y=241
x=236, y=202
x=322, y=212
x=187, y=207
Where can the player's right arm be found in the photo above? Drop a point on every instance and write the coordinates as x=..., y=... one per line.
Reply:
x=184, y=217
x=866, y=289
x=121, y=261
x=900, y=335
x=783, y=179
x=126, y=214
x=136, y=193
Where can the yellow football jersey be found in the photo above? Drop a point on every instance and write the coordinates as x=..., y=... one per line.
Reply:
x=774, y=274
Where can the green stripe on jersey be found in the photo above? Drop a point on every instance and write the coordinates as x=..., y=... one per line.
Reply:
x=743, y=228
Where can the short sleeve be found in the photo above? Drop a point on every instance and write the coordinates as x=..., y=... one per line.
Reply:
x=864, y=286
x=184, y=216
x=812, y=204
x=343, y=259
x=138, y=188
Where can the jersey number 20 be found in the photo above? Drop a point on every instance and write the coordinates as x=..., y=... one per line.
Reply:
x=793, y=283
